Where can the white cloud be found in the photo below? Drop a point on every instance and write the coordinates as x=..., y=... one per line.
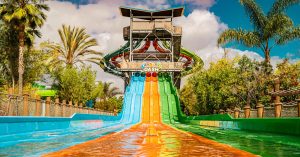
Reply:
x=201, y=30
x=197, y=3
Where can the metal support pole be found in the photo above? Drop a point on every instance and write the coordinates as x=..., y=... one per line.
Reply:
x=172, y=45
x=130, y=40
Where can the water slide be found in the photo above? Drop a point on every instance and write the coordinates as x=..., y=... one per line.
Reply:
x=110, y=64
x=170, y=105
x=191, y=57
x=69, y=131
x=151, y=97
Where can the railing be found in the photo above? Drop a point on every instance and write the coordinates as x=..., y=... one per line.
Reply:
x=162, y=66
x=152, y=25
x=276, y=109
x=14, y=105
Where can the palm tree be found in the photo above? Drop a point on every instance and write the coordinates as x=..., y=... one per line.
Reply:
x=273, y=28
x=76, y=44
x=25, y=16
x=109, y=91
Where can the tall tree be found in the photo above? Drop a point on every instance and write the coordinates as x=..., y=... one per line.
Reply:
x=9, y=54
x=273, y=28
x=76, y=84
x=25, y=16
x=109, y=91
x=75, y=47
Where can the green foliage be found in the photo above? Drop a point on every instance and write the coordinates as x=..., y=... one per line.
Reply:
x=210, y=89
x=24, y=16
x=108, y=97
x=288, y=74
x=270, y=29
x=35, y=65
x=76, y=85
x=34, y=59
x=75, y=46
x=79, y=85
x=9, y=54
x=235, y=83
x=27, y=13
x=111, y=104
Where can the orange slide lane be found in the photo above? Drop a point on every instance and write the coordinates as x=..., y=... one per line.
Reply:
x=135, y=142
x=151, y=102
x=146, y=101
x=151, y=137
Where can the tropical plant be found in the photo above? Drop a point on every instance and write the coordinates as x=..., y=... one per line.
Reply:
x=231, y=83
x=111, y=104
x=75, y=48
x=273, y=28
x=288, y=74
x=9, y=54
x=109, y=91
x=35, y=65
x=108, y=97
x=25, y=16
x=76, y=84
x=34, y=60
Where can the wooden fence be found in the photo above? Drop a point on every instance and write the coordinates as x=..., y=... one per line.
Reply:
x=14, y=105
x=277, y=108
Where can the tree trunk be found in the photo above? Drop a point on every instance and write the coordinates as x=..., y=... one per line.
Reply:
x=21, y=57
x=267, y=56
x=248, y=103
x=267, y=53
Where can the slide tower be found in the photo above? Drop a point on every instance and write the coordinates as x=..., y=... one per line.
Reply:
x=153, y=45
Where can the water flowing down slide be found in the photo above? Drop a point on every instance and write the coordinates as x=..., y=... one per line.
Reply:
x=76, y=129
x=170, y=105
x=150, y=137
x=151, y=104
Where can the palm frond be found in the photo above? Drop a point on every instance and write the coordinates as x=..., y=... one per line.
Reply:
x=288, y=35
x=248, y=38
x=76, y=44
x=276, y=24
x=257, y=16
x=280, y=5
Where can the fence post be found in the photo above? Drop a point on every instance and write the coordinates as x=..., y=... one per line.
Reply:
x=80, y=108
x=56, y=109
x=70, y=108
x=47, y=107
x=298, y=102
x=10, y=109
x=221, y=111
x=229, y=111
x=277, y=103
x=25, y=104
x=247, y=111
x=63, y=107
x=260, y=110
x=236, y=112
x=38, y=106
x=76, y=107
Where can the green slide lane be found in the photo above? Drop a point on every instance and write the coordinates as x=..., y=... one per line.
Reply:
x=252, y=141
x=198, y=62
x=170, y=105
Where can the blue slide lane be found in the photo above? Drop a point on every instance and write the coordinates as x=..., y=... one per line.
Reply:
x=33, y=136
